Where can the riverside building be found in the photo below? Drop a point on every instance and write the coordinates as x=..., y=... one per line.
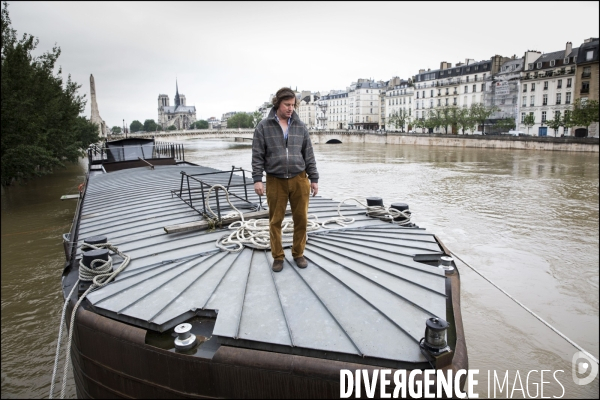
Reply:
x=547, y=86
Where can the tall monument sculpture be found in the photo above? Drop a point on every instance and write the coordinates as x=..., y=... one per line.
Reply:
x=95, y=113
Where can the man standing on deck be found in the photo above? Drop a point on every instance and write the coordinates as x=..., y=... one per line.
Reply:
x=281, y=147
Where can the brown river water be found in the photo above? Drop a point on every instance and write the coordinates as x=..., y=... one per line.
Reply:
x=527, y=220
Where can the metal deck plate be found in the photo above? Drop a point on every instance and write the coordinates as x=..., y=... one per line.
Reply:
x=363, y=293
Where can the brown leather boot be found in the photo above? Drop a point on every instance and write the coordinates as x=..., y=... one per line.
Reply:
x=277, y=265
x=301, y=262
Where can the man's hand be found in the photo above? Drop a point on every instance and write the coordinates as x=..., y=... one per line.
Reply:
x=259, y=188
x=314, y=188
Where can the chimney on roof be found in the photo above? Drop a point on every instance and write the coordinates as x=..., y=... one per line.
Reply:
x=421, y=71
x=469, y=61
x=443, y=65
x=568, y=49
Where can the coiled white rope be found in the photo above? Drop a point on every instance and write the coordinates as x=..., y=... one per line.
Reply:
x=528, y=310
x=255, y=232
x=100, y=276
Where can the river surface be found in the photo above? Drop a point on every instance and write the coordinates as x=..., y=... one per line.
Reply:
x=527, y=220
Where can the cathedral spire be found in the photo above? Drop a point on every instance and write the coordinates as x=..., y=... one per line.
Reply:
x=177, y=101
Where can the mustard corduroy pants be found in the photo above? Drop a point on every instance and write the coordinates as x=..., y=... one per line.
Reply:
x=296, y=190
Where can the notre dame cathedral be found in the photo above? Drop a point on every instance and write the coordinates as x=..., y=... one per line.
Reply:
x=180, y=116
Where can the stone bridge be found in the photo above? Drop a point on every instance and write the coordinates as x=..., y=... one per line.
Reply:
x=353, y=136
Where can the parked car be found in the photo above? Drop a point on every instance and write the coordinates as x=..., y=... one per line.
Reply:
x=516, y=133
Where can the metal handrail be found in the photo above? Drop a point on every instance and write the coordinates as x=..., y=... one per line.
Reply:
x=186, y=194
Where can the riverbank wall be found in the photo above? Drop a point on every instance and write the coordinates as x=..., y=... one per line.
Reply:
x=547, y=143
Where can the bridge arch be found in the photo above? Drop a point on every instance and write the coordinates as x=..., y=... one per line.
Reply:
x=333, y=141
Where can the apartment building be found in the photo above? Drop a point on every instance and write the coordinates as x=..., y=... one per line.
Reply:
x=398, y=100
x=364, y=104
x=334, y=107
x=586, y=73
x=460, y=86
x=547, y=86
x=504, y=91
x=308, y=109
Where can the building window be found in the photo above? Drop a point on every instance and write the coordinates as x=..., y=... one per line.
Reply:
x=417, y=95
x=543, y=116
x=454, y=102
x=558, y=96
x=552, y=62
x=545, y=100
x=530, y=66
x=546, y=85
x=446, y=91
x=467, y=79
x=559, y=84
x=474, y=88
x=524, y=101
x=532, y=101
x=585, y=87
x=566, y=60
x=476, y=67
x=568, y=98
x=446, y=101
x=589, y=55
x=533, y=87
x=475, y=78
x=587, y=72
x=439, y=102
x=569, y=80
x=524, y=87
x=522, y=117
x=482, y=87
x=466, y=89
x=539, y=65
x=556, y=114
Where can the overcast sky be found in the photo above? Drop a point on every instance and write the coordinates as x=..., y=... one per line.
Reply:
x=232, y=56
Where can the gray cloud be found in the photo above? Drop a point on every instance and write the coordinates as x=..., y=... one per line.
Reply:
x=230, y=56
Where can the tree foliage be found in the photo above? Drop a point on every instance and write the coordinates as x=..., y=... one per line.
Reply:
x=555, y=123
x=240, y=120
x=585, y=113
x=480, y=113
x=172, y=128
x=150, y=125
x=115, y=130
x=257, y=116
x=200, y=124
x=529, y=121
x=40, y=124
x=505, y=124
x=135, y=126
x=398, y=119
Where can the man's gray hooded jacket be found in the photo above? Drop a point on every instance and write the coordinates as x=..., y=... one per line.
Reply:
x=271, y=154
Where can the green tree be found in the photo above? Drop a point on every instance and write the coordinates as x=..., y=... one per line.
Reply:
x=555, y=123
x=240, y=120
x=172, y=128
x=135, y=126
x=41, y=127
x=480, y=113
x=585, y=113
x=464, y=120
x=115, y=130
x=257, y=116
x=529, y=121
x=200, y=124
x=567, y=121
x=419, y=123
x=505, y=124
x=432, y=121
x=150, y=125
